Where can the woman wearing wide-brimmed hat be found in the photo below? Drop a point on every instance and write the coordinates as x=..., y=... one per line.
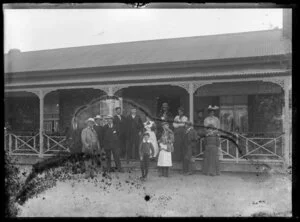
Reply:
x=212, y=119
x=179, y=132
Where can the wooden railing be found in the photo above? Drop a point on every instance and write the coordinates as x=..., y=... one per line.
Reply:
x=54, y=144
x=21, y=145
x=265, y=149
x=30, y=145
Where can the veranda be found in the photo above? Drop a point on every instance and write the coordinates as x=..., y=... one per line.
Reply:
x=39, y=119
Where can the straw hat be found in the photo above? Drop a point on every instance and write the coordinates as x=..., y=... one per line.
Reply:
x=210, y=107
x=90, y=120
x=98, y=117
x=109, y=117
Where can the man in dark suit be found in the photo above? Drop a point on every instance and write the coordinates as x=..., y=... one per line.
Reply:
x=111, y=144
x=134, y=129
x=99, y=129
x=120, y=123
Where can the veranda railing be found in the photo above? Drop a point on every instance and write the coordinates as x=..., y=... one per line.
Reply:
x=264, y=148
x=29, y=144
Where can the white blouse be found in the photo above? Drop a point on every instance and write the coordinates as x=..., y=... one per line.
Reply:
x=179, y=121
x=148, y=125
x=213, y=121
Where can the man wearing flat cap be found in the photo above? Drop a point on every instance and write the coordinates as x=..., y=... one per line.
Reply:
x=90, y=146
x=112, y=144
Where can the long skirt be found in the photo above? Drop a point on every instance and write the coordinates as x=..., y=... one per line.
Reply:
x=178, y=144
x=164, y=159
x=211, y=163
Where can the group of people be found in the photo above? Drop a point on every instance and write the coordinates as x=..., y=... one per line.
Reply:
x=163, y=140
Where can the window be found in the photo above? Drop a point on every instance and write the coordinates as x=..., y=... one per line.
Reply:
x=234, y=113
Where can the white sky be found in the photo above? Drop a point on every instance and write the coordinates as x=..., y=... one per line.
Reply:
x=38, y=29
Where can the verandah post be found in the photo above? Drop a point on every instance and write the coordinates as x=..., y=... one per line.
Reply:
x=41, y=97
x=110, y=108
x=287, y=151
x=191, y=101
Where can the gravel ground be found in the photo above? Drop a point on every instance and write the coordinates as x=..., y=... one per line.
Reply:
x=124, y=195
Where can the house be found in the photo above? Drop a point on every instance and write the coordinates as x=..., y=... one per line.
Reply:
x=248, y=75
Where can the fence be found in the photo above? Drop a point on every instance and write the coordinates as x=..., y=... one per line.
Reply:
x=30, y=144
x=264, y=149
x=255, y=148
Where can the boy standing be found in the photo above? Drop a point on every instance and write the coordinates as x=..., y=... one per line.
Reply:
x=190, y=142
x=146, y=150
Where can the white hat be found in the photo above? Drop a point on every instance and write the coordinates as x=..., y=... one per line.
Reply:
x=210, y=107
x=98, y=117
x=90, y=120
x=109, y=117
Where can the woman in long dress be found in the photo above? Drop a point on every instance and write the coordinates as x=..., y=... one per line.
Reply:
x=179, y=132
x=211, y=163
x=149, y=126
x=166, y=148
x=214, y=121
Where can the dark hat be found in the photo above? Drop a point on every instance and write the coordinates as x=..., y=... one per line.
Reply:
x=118, y=107
x=165, y=105
x=146, y=134
x=181, y=108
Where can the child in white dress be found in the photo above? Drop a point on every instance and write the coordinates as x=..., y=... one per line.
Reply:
x=166, y=148
x=149, y=125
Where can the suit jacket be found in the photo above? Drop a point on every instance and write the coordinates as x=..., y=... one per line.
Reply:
x=89, y=139
x=99, y=130
x=190, y=140
x=120, y=124
x=134, y=126
x=110, y=138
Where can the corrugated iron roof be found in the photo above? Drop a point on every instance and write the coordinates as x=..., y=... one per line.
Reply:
x=224, y=46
